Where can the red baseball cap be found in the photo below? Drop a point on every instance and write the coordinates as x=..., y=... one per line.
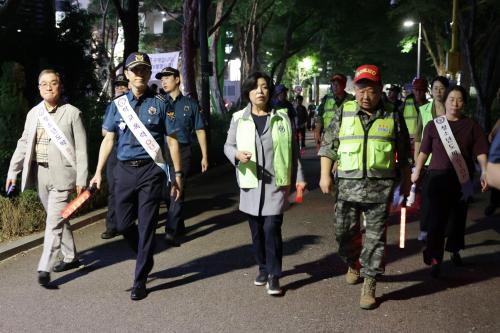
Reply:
x=420, y=83
x=368, y=72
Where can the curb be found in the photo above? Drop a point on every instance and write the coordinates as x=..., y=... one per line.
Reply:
x=29, y=242
x=26, y=243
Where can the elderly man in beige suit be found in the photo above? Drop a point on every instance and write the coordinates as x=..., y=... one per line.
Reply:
x=52, y=155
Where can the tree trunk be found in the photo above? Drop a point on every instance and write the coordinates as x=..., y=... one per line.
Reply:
x=215, y=85
x=190, y=12
x=481, y=53
x=129, y=18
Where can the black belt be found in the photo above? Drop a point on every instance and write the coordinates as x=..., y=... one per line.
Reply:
x=137, y=163
x=43, y=164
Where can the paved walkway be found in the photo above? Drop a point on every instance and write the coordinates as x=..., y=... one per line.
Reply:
x=206, y=285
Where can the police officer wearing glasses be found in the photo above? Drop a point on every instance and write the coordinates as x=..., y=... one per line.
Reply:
x=139, y=120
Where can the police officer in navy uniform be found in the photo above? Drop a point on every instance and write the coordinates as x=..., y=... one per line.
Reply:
x=139, y=178
x=121, y=87
x=188, y=119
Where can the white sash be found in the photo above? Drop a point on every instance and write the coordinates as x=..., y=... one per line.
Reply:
x=56, y=135
x=455, y=155
x=140, y=132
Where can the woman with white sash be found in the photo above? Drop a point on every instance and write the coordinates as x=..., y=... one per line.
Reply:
x=262, y=146
x=455, y=142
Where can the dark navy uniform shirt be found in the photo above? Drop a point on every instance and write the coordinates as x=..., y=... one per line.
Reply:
x=188, y=117
x=154, y=112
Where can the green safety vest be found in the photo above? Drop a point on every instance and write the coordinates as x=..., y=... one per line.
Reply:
x=426, y=115
x=330, y=108
x=367, y=153
x=410, y=115
x=281, y=132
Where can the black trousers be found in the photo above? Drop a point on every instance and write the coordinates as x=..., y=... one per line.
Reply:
x=110, y=177
x=267, y=243
x=424, y=202
x=138, y=195
x=447, y=214
x=301, y=134
x=175, y=214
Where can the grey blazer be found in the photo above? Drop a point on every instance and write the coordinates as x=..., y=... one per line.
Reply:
x=62, y=175
x=267, y=199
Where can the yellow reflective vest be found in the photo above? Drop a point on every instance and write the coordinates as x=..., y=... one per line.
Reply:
x=426, y=115
x=330, y=108
x=410, y=115
x=366, y=153
x=281, y=132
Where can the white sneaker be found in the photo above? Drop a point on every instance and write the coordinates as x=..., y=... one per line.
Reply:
x=422, y=236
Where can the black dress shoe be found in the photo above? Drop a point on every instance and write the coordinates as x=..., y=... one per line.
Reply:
x=108, y=234
x=64, y=266
x=138, y=292
x=171, y=240
x=435, y=268
x=456, y=259
x=43, y=278
x=489, y=210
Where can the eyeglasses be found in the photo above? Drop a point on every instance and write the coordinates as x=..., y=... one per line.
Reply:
x=45, y=85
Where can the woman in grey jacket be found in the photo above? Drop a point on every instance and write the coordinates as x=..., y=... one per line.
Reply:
x=262, y=146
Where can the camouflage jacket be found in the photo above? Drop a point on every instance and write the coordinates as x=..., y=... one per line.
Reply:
x=367, y=190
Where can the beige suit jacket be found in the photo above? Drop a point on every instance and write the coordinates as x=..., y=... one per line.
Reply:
x=62, y=175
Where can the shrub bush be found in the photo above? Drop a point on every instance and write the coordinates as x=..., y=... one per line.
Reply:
x=21, y=215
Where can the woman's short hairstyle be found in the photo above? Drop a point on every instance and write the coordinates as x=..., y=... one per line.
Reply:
x=250, y=83
x=462, y=90
x=444, y=81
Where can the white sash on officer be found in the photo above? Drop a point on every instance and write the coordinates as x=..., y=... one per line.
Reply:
x=455, y=155
x=56, y=135
x=140, y=132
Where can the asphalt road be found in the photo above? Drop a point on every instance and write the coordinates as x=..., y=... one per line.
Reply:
x=206, y=285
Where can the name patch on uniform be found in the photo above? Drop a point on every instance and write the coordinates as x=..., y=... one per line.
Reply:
x=383, y=128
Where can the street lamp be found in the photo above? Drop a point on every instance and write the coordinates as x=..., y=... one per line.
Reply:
x=408, y=24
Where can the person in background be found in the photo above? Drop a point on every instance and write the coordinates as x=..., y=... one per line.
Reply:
x=302, y=116
x=52, y=156
x=261, y=145
x=448, y=190
x=331, y=103
x=121, y=87
x=428, y=112
x=393, y=96
x=412, y=103
x=280, y=101
x=310, y=117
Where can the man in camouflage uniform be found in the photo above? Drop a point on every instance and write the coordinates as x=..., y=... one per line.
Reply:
x=330, y=104
x=364, y=137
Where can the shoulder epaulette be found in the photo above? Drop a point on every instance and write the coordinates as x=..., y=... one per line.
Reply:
x=161, y=97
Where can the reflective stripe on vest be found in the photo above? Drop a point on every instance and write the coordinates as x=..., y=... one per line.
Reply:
x=426, y=115
x=281, y=132
x=369, y=154
x=410, y=114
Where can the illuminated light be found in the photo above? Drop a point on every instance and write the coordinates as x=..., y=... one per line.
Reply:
x=402, y=228
x=164, y=19
x=408, y=23
x=163, y=12
x=306, y=63
x=19, y=30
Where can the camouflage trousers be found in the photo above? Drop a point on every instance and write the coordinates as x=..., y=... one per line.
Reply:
x=352, y=249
